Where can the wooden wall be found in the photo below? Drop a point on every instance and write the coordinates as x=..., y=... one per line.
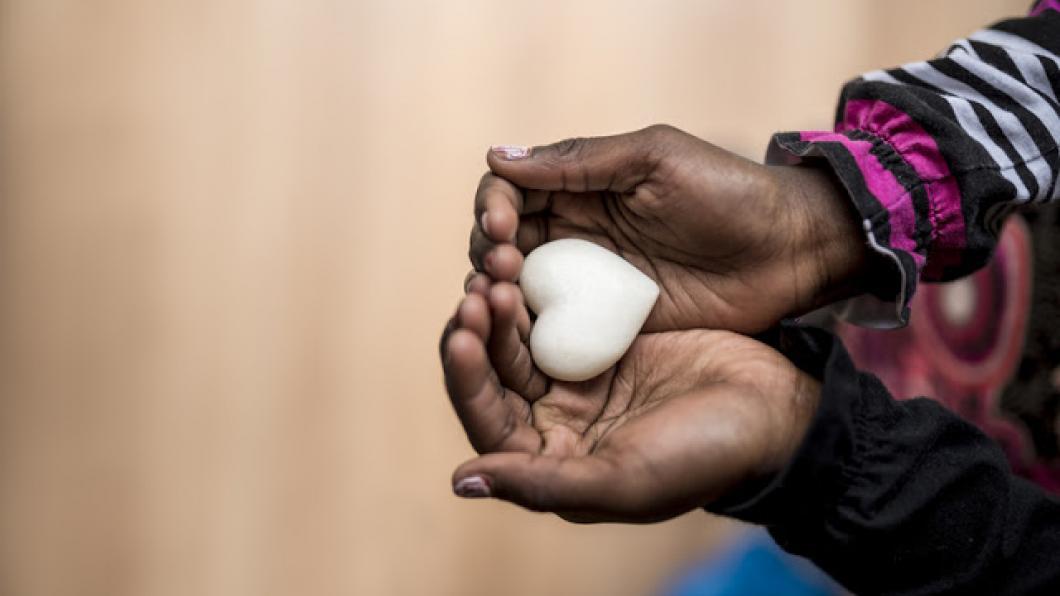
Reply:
x=230, y=233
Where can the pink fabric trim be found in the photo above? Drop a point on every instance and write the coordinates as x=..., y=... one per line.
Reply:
x=884, y=186
x=922, y=153
x=1044, y=6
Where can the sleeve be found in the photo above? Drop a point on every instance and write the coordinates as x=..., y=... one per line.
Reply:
x=902, y=497
x=935, y=154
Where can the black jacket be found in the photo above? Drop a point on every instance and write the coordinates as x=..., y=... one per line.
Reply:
x=902, y=497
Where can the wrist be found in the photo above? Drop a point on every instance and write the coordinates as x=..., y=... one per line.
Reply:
x=792, y=398
x=796, y=395
x=829, y=243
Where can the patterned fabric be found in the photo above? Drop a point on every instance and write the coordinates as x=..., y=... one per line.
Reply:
x=935, y=156
x=986, y=346
x=1044, y=5
x=901, y=497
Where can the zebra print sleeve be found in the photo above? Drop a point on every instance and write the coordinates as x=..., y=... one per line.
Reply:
x=935, y=154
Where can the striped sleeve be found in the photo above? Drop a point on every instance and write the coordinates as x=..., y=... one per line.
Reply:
x=935, y=154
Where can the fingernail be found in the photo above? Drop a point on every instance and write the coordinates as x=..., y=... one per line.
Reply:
x=467, y=281
x=472, y=487
x=485, y=222
x=511, y=152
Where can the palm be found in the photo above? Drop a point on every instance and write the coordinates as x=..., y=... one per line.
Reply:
x=682, y=418
x=685, y=413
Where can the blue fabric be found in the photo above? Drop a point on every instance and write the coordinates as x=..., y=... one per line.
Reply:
x=753, y=564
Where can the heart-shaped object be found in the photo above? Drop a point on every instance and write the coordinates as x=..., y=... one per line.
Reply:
x=590, y=305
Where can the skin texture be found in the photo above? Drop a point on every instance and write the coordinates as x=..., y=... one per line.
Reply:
x=732, y=244
x=684, y=418
x=690, y=413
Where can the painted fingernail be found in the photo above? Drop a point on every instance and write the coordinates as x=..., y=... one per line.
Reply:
x=485, y=222
x=472, y=487
x=511, y=152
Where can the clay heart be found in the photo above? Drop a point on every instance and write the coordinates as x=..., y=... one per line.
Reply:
x=590, y=305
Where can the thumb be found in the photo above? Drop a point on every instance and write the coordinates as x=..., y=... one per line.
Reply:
x=589, y=486
x=615, y=163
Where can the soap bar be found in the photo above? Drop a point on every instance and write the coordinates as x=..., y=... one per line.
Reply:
x=590, y=305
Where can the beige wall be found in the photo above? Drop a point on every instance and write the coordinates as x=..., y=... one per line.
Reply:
x=230, y=232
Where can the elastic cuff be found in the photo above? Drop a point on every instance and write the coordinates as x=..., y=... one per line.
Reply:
x=864, y=164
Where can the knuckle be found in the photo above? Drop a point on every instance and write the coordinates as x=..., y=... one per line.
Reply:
x=489, y=184
x=480, y=191
x=660, y=142
x=474, y=255
x=490, y=188
x=568, y=148
x=661, y=133
x=484, y=183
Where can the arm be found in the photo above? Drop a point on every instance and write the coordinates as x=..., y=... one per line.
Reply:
x=935, y=154
x=892, y=497
x=903, y=497
x=888, y=497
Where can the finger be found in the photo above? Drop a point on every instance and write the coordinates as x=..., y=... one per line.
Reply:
x=510, y=303
x=450, y=326
x=480, y=401
x=536, y=201
x=500, y=219
x=497, y=206
x=507, y=343
x=590, y=485
x=473, y=314
x=478, y=246
x=502, y=261
x=476, y=283
x=533, y=232
x=615, y=163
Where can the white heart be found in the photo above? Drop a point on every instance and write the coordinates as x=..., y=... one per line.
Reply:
x=590, y=305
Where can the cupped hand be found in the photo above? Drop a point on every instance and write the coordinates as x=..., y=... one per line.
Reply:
x=684, y=418
x=732, y=244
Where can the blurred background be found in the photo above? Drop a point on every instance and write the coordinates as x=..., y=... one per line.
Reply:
x=230, y=235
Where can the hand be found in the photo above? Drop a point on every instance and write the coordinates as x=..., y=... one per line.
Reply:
x=684, y=418
x=732, y=244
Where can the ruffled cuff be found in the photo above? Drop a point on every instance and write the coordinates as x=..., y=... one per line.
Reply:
x=902, y=188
